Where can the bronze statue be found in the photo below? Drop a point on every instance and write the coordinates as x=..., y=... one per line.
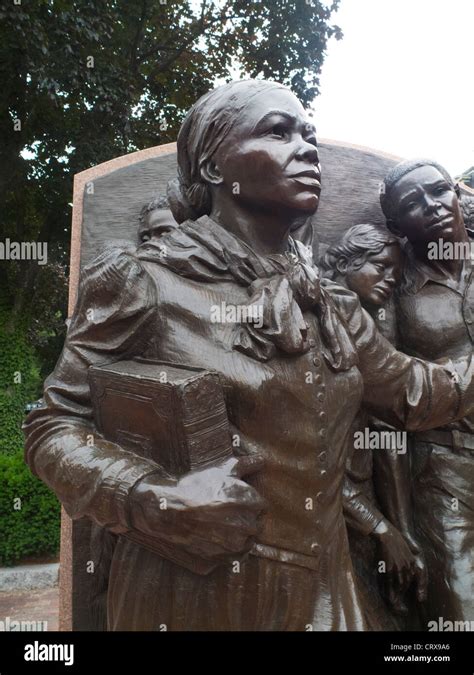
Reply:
x=368, y=261
x=435, y=315
x=292, y=368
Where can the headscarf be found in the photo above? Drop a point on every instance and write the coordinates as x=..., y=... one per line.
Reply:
x=205, y=127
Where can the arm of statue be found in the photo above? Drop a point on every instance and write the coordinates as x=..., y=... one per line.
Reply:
x=393, y=486
x=404, y=391
x=116, y=317
x=360, y=513
x=400, y=565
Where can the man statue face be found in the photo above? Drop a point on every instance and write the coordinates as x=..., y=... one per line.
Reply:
x=426, y=207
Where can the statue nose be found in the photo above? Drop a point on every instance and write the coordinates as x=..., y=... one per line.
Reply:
x=309, y=153
x=431, y=204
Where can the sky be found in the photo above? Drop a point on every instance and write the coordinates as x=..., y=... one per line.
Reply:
x=402, y=79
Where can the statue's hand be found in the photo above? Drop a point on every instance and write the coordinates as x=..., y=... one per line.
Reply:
x=420, y=573
x=211, y=513
x=400, y=563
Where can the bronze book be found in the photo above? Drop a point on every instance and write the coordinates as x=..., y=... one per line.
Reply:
x=171, y=414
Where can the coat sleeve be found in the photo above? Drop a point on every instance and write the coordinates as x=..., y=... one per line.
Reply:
x=114, y=318
x=406, y=392
x=359, y=511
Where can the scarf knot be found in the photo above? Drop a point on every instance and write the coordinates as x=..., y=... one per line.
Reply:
x=280, y=287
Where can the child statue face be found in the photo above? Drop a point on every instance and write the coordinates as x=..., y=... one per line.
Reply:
x=270, y=159
x=375, y=281
x=155, y=223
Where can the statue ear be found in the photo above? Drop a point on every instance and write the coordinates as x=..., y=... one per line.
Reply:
x=342, y=265
x=210, y=173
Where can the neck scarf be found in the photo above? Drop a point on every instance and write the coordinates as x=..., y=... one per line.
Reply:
x=280, y=288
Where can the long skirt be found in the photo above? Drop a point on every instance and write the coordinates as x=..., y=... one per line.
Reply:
x=149, y=593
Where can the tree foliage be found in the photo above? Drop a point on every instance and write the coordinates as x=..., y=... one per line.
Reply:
x=84, y=81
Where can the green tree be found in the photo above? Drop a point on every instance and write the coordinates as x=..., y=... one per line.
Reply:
x=84, y=81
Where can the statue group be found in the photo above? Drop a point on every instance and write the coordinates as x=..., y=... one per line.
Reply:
x=333, y=489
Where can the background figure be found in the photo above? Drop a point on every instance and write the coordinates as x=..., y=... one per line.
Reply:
x=155, y=219
x=435, y=316
x=368, y=261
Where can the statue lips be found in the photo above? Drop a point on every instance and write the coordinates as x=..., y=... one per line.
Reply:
x=310, y=177
x=383, y=289
x=440, y=223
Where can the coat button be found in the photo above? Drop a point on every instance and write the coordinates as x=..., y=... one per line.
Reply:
x=322, y=432
x=320, y=396
x=317, y=379
x=312, y=342
x=315, y=547
x=322, y=416
x=322, y=472
x=320, y=497
x=323, y=456
x=317, y=361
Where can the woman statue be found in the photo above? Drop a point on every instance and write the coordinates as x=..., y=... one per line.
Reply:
x=293, y=380
x=368, y=260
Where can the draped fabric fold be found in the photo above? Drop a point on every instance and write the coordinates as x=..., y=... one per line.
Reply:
x=281, y=287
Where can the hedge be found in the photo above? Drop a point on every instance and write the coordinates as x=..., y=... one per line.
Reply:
x=34, y=528
x=29, y=513
x=20, y=381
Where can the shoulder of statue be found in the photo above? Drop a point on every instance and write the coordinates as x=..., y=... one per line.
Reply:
x=114, y=260
x=345, y=299
x=116, y=274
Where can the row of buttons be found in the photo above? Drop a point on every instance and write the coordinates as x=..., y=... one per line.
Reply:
x=322, y=456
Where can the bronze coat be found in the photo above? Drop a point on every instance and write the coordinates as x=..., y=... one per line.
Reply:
x=303, y=578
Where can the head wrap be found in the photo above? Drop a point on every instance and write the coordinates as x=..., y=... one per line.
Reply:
x=204, y=129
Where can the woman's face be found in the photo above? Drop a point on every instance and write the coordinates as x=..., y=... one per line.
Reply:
x=375, y=281
x=427, y=207
x=270, y=160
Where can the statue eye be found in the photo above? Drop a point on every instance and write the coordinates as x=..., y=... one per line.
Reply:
x=440, y=189
x=279, y=130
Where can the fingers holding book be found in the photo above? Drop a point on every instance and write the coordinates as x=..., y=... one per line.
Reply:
x=210, y=512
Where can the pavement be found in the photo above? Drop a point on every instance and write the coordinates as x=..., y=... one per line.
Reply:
x=29, y=597
x=39, y=606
